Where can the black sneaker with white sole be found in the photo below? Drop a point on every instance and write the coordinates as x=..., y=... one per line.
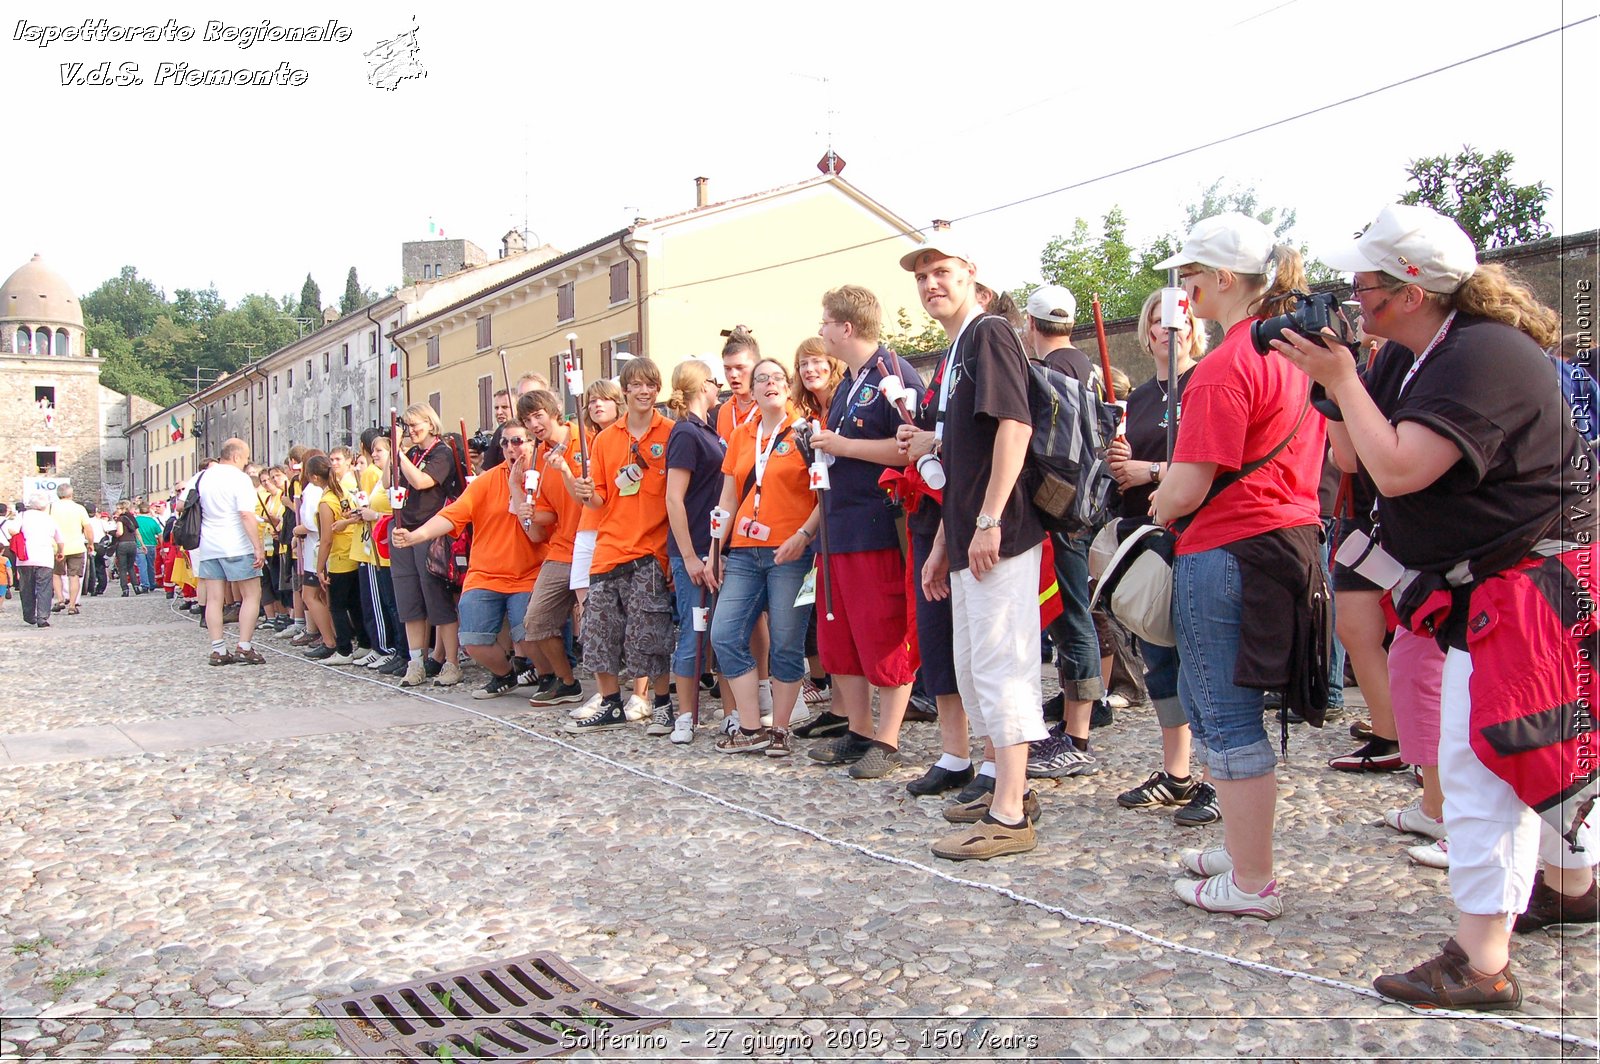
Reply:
x=980, y=786
x=558, y=694
x=497, y=686
x=608, y=716
x=661, y=720
x=1200, y=810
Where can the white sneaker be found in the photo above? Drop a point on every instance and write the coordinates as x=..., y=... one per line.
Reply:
x=683, y=729
x=766, y=720
x=1435, y=854
x=416, y=674
x=379, y=663
x=448, y=676
x=588, y=709
x=636, y=709
x=729, y=725
x=337, y=659
x=1220, y=894
x=371, y=660
x=1205, y=863
x=1414, y=821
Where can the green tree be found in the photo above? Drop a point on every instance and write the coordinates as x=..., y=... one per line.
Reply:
x=915, y=337
x=1478, y=192
x=311, y=303
x=1104, y=264
x=127, y=301
x=354, y=298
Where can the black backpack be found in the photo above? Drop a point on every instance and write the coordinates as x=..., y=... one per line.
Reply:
x=1065, y=474
x=187, y=529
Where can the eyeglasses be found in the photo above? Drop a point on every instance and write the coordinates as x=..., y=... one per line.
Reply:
x=1356, y=291
x=516, y=441
x=771, y=378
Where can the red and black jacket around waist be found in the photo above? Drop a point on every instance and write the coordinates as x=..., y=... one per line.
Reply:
x=1535, y=644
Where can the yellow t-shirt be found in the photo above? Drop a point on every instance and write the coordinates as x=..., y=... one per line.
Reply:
x=339, y=560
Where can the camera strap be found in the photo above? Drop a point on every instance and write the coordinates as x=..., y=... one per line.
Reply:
x=1426, y=351
x=758, y=471
x=1227, y=480
x=947, y=373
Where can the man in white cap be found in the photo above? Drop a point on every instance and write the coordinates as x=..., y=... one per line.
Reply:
x=988, y=549
x=1051, y=315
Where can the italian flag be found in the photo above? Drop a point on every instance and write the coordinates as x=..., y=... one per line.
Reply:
x=177, y=429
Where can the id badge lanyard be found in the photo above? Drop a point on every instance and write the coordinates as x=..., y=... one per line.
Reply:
x=947, y=376
x=763, y=455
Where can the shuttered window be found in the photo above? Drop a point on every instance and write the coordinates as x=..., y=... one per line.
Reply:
x=619, y=283
x=566, y=302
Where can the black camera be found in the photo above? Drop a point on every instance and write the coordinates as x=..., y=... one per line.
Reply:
x=480, y=441
x=1312, y=314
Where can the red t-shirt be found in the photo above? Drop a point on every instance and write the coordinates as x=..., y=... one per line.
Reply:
x=1237, y=407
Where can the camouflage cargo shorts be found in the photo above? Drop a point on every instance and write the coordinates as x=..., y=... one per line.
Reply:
x=627, y=621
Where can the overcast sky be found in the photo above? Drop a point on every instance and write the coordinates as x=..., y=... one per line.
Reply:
x=576, y=118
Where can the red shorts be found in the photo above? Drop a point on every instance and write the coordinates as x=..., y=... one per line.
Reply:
x=868, y=634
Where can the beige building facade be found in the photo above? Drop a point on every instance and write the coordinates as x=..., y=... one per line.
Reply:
x=663, y=288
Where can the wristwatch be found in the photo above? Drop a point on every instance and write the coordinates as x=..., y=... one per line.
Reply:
x=1155, y=472
x=985, y=522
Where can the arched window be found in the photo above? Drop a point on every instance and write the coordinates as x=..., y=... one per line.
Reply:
x=438, y=269
x=63, y=342
x=24, y=342
x=41, y=342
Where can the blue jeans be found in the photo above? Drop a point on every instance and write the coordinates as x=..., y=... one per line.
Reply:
x=147, y=567
x=1161, y=682
x=686, y=595
x=1077, y=646
x=1336, y=652
x=482, y=612
x=753, y=583
x=1225, y=720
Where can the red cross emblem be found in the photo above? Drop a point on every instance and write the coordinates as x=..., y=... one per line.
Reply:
x=1412, y=271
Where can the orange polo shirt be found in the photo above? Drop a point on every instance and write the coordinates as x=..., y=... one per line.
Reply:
x=631, y=526
x=554, y=498
x=786, y=496
x=732, y=414
x=502, y=558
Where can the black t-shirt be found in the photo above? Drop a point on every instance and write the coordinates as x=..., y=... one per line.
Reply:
x=693, y=445
x=1074, y=363
x=423, y=503
x=1147, y=436
x=494, y=453
x=1489, y=389
x=990, y=383
x=856, y=508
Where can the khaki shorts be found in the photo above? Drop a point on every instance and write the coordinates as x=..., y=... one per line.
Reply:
x=552, y=602
x=71, y=565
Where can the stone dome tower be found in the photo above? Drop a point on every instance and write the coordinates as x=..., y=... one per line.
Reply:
x=39, y=313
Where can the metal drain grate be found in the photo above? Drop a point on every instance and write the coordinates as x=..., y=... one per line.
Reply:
x=526, y=1008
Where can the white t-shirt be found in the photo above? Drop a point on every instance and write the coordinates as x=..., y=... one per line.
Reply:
x=310, y=496
x=226, y=497
x=41, y=534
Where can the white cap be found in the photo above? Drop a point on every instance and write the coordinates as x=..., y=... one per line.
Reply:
x=1052, y=302
x=1234, y=242
x=1413, y=244
x=714, y=365
x=943, y=243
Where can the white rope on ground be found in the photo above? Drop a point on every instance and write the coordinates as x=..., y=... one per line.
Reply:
x=1004, y=892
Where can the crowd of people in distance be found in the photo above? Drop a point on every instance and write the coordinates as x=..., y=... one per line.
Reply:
x=833, y=543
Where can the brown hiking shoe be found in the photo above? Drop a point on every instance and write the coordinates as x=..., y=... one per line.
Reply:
x=986, y=839
x=1559, y=912
x=1448, y=981
x=250, y=656
x=740, y=743
x=221, y=657
x=975, y=810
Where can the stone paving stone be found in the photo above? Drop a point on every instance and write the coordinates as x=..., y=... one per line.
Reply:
x=270, y=873
x=67, y=744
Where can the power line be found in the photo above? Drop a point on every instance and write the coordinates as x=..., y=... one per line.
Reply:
x=1149, y=162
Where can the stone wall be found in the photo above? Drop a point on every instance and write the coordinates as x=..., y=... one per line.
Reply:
x=74, y=431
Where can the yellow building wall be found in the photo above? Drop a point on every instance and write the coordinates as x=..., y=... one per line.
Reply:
x=168, y=464
x=783, y=305
x=530, y=335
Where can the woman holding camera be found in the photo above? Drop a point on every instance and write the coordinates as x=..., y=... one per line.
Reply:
x=1262, y=528
x=766, y=488
x=1464, y=433
x=1138, y=460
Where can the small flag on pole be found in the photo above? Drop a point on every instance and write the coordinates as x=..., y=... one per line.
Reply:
x=177, y=429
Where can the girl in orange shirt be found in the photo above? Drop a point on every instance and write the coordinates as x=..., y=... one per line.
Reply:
x=766, y=487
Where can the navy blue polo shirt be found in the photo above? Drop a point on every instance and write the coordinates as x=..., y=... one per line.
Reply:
x=693, y=445
x=858, y=515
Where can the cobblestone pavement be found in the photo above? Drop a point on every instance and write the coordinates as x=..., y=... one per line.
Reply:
x=278, y=835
